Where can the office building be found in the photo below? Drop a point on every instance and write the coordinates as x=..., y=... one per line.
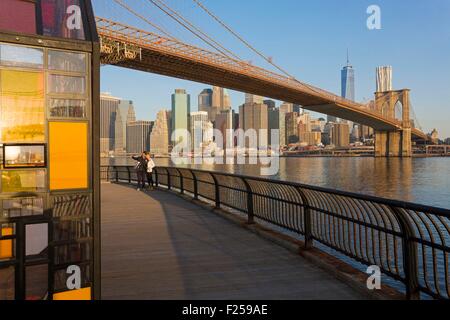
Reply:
x=254, y=116
x=220, y=101
x=181, y=108
x=159, y=137
x=138, y=136
x=384, y=78
x=270, y=104
x=205, y=99
x=291, y=127
x=253, y=99
x=200, y=129
x=287, y=107
x=226, y=124
x=273, y=122
x=110, y=124
x=340, y=135
x=126, y=115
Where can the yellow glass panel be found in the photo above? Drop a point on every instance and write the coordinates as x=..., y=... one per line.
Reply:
x=23, y=181
x=6, y=245
x=77, y=295
x=22, y=115
x=68, y=146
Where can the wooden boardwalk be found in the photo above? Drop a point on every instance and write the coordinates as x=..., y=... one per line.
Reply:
x=159, y=246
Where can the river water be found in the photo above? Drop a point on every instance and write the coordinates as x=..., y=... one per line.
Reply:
x=420, y=180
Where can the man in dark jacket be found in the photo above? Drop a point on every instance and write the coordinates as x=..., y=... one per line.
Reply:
x=141, y=169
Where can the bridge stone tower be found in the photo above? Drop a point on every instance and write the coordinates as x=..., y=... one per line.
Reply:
x=396, y=105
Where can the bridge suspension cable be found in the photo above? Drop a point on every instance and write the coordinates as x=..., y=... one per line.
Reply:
x=236, y=35
x=125, y=6
x=193, y=29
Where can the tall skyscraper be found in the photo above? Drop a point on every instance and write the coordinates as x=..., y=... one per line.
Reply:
x=384, y=78
x=220, y=101
x=138, y=136
x=199, y=126
x=254, y=116
x=109, y=123
x=273, y=122
x=181, y=108
x=348, y=82
x=270, y=104
x=253, y=99
x=291, y=127
x=340, y=135
x=159, y=137
x=205, y=100
x=127, y=115
x=225, y=122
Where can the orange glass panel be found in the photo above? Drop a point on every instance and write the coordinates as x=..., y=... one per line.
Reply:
x=6, y=245
x=22, y=115
x=77, y=295
x=68, y=146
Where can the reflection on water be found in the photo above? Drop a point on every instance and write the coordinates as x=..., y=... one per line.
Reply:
x=421, y=180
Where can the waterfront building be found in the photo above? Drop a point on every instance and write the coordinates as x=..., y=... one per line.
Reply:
x=111, y=130
x=220, y=101
x=434, y=135
x=181, y=108
x=199, y=128
x=159, y=137
x=340, y=135
x=273, y=121
x=225, y=123
x=205, y=99
x=254, y=116
x=138, y=136
x=291, y=127
x=126, y=114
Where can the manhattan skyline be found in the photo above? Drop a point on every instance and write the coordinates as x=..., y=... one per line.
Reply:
x=416, y=66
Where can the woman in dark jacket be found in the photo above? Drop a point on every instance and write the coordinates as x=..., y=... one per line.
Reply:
x=141, y=169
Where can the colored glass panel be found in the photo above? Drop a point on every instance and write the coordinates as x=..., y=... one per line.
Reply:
x=66, y=84
x=23, y=181
x=20, y=56
x=62, y=18
x=18, y=16
x=68, y=149
x=22, y=106
x=77, y=295
x=66, y=61
x=6, y=246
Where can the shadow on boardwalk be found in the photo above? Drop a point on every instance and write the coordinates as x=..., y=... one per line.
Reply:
x=159, y=246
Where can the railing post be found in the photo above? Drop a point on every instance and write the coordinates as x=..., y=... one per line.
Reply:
x=156, y=177
x=181, y=182
x=217, y=189
x=129, y=175
x=194, y=177
x=410, y=256
x=169, y=184
x=307, y=221
x=250, y=212
x=107, y=173
x=117, y=174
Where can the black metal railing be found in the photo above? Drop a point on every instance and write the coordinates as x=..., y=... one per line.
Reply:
x=408, y=242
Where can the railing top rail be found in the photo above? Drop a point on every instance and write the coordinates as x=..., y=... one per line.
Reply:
x=383, y=201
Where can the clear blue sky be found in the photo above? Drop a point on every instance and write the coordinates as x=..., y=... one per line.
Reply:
x=310, y=40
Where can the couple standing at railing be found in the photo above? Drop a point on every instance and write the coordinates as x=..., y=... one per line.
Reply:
x=144, y=169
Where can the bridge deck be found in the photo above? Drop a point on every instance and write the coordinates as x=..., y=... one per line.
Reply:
x=159, y=246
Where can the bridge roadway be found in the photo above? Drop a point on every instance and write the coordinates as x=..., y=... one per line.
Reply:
x=158, y=246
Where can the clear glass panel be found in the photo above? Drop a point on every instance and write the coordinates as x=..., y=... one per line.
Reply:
x=18, y=16
x=36, y=236
x=23, y=181
x=67, y=108
x=22, y=106
x=62, y=18
x=66, y=61
x=20, y=56
x=7, y=280
x=19, y=156
x=66, y=84
x=23, y=207
x=72, y=253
